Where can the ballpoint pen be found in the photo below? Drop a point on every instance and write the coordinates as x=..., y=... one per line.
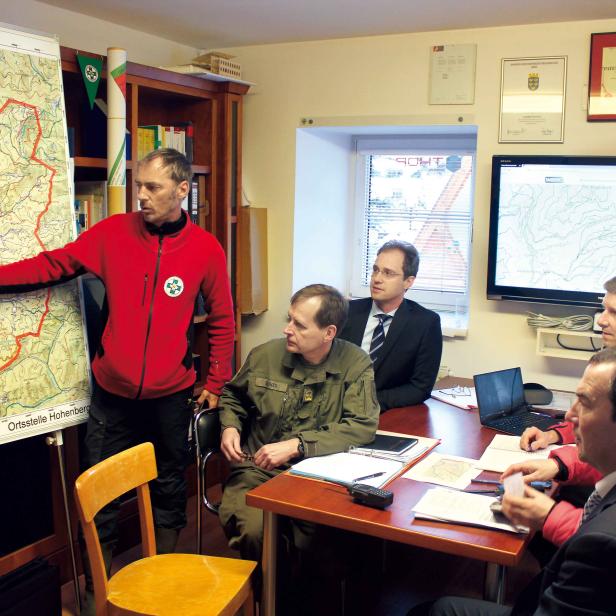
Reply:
x=369, y=477
x=538, y=485
x=494, y=492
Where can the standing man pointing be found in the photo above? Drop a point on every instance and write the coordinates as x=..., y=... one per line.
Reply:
x=153, y=264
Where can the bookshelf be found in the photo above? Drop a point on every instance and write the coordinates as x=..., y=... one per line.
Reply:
x=154, y=96
x=157, y=96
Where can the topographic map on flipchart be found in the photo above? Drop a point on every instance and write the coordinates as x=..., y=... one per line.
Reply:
x=44, y=367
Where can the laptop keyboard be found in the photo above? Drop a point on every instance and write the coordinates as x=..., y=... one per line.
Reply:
x=519, y=422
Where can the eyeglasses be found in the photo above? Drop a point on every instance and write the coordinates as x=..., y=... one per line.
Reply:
x=386, y=273
x=458, y=391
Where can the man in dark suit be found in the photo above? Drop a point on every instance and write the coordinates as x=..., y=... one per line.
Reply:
x=403, y=339
x=580, y=577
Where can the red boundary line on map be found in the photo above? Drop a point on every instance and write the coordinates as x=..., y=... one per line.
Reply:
x=37, y=333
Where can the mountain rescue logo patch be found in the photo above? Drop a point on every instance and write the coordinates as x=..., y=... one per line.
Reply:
x=174, y=286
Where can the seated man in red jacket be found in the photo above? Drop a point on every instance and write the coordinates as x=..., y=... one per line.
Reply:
x=557, y=520
x=534, y=438
x=579, y=579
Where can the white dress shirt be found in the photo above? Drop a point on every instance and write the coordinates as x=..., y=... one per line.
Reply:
x=372, y=323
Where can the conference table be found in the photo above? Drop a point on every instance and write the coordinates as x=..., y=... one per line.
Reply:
x=315, y=501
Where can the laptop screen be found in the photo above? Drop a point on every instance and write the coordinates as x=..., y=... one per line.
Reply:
x=499, y=393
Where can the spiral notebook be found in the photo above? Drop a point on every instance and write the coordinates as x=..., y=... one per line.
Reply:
x=358, y=463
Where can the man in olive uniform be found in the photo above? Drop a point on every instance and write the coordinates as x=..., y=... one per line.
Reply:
x=308, y=395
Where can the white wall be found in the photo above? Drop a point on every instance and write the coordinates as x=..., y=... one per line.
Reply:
x=388, y=75
x=94, y=35
x=321, y=209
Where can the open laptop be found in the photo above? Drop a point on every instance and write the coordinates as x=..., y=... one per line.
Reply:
x=500, y=396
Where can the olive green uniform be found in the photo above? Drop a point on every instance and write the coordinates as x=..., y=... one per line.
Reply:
x=277, y=396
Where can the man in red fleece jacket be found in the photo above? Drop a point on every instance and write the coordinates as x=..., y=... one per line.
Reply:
x=153, y=264
x=534, y=438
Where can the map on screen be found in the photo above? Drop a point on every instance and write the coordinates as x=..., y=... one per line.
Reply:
x=555, y=228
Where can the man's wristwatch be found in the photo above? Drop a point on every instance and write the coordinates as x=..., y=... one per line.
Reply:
x=301, y=452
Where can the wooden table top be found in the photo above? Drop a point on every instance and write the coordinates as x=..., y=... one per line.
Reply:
x=323, y=503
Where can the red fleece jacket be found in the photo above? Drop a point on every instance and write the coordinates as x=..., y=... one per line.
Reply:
x=151, y=283
x=564, y=519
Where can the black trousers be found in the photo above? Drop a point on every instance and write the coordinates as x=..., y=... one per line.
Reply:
x=116, y=423
x=459, y=606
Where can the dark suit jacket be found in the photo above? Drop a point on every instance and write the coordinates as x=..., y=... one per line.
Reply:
x=408, y=364
x=581, y=577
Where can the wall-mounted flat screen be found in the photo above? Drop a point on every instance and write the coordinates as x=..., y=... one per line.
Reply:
x=552, y=228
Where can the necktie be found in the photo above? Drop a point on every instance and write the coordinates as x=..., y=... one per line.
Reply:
x=591, y=507
x=378, y=336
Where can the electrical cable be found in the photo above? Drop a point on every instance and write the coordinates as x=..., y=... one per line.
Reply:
x=575, y=322
x=569, y=348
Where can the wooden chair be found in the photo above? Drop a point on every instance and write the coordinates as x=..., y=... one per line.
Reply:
x=167, y=584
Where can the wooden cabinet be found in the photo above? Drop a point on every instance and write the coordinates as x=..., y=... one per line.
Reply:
x=253, y=261
x=154, y=96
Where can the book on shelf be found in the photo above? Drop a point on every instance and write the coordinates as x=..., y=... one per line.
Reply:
x=179, y=136
x=82, y=212
x=90, y=203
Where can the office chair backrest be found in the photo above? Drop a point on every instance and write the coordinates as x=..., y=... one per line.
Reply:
x=207, y=430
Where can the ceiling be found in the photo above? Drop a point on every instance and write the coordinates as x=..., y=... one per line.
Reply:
x=208, y=24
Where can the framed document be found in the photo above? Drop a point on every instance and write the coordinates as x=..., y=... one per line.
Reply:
x=452, y=74
x=533, y=100
x=602, y=79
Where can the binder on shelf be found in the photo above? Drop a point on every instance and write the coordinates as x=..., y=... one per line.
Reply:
x=203, y=206
x=193, y=201
x=158, y=133
x=146, y=140
x=188, y=132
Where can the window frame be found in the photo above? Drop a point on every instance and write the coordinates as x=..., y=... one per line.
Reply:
x=421, y=144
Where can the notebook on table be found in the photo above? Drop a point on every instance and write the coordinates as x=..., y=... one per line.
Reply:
x=502, y=406
x=391, y=443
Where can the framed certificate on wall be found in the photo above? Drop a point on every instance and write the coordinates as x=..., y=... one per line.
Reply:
x=533, y=100
x=602, y=78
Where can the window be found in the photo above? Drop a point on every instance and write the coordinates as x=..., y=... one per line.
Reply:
x=418, y=189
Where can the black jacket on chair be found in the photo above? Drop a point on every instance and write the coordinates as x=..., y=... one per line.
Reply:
x=409, y=360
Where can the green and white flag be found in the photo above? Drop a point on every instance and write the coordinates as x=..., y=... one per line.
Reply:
x=91, y=72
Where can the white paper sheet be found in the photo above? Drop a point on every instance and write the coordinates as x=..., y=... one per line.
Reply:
x=451, y=471
x=504, y=450
x=463, y=508
x=453, y=396
x=348, y=467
